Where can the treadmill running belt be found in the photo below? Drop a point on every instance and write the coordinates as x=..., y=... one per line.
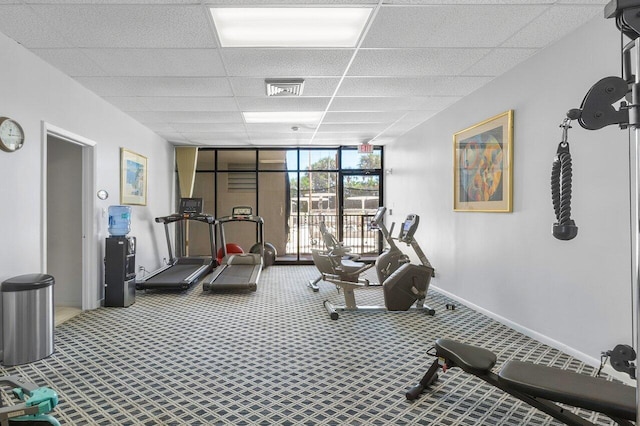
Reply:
x=174, y=275
x=235, y=274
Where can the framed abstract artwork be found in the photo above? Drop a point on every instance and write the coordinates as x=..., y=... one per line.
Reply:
x=483, y=166
x=133, y=178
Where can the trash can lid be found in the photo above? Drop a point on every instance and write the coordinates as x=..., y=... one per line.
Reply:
x=27, y=282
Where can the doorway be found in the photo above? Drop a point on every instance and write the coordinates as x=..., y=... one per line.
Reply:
x=67, y=221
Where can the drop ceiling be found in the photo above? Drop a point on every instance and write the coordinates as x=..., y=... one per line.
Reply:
x=160, y=61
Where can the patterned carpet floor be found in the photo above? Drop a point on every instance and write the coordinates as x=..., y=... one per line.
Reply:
x=275, y=357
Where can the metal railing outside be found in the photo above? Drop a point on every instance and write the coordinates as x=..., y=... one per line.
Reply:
x=357, y=233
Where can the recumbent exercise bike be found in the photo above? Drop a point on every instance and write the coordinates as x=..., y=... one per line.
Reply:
x=407, y=285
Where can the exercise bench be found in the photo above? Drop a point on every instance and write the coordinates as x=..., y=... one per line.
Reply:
x=539, y=386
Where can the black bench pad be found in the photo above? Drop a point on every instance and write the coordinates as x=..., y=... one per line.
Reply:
x=568, y=387
x=471, y=359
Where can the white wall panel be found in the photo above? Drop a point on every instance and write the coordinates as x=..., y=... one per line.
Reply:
x=575, y=294
x=35, y=93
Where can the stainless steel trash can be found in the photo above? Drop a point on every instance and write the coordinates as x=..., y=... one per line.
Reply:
x=27, y=318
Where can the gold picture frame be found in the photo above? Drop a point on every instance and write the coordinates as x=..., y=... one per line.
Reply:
x=483, y=166
x=133, y=178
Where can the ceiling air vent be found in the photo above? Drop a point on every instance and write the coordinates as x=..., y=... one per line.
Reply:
x=289, y=87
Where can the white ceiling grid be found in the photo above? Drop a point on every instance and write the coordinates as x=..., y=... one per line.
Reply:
x=160, y=62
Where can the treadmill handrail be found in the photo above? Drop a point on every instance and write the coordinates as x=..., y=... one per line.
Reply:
x=255, y=219
x=201, y=217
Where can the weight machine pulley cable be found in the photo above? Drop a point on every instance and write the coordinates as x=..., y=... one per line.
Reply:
x=561, y=182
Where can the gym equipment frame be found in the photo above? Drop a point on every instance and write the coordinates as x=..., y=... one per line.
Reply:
x=181, y=273
x=404, y=287
x=36, y=403
x=537, y=385
x=238, y=271
x=334, y=248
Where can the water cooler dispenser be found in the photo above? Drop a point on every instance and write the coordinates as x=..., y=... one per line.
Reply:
x=120, y=259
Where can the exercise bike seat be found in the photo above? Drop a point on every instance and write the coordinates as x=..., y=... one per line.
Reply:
x=349, y=266
x=471, y=359
x=568, y=387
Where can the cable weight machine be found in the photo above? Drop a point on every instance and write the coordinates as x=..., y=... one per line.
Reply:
x=596, y=112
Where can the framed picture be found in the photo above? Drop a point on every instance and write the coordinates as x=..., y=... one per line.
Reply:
x=483, y=166
x=133, y=178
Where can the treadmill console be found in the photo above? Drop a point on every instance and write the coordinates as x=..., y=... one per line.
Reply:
x=409, y=227
x=190, y=207
x=242, y=211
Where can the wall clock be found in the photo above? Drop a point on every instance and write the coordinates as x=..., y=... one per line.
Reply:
x=11, y=135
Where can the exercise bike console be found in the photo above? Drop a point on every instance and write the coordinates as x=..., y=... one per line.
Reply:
x=409, y=227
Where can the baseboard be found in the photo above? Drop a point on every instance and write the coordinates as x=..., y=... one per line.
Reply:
x=594, y=362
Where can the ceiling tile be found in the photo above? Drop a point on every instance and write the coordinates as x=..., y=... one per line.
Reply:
x=381, y=103
x=352, y=127
x=554, y=23
x=21, y=24
x=219, y=136
x=154, y=2
x=286, y=62
x=118, y=25
x=437, y=103
x=498, y=61
x=598, y=2
x=363, y=117
x=208, y=127
x=254, y=87
x=464, y=2
x=280, y=142
x=158, y=62
x=410, y=86
x=241, y=134
x=415, y=62
x=414, y=117
x=157, y=86
x=189, y=103
x=448, y=25
x=72, y=62
x=161, y=127
x=275, y=137
x=285, y=128
x=234, y=140
x=283, y=103
x=186, y=117
x=344, y=138
x=127, y=103
x=287, y=2
x=174, y=138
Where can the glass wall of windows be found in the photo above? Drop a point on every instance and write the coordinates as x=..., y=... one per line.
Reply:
x=294, y=190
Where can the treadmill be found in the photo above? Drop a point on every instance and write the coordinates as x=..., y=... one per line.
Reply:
x=238, y=271
x=182, y=272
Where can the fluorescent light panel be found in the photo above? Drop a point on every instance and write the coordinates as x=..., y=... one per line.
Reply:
x=293, y=117
x=290, y=26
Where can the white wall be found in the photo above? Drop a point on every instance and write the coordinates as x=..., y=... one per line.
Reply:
x=575, y=295
x=34, y=92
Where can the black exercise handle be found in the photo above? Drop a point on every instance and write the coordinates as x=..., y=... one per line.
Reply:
x=561, y=182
